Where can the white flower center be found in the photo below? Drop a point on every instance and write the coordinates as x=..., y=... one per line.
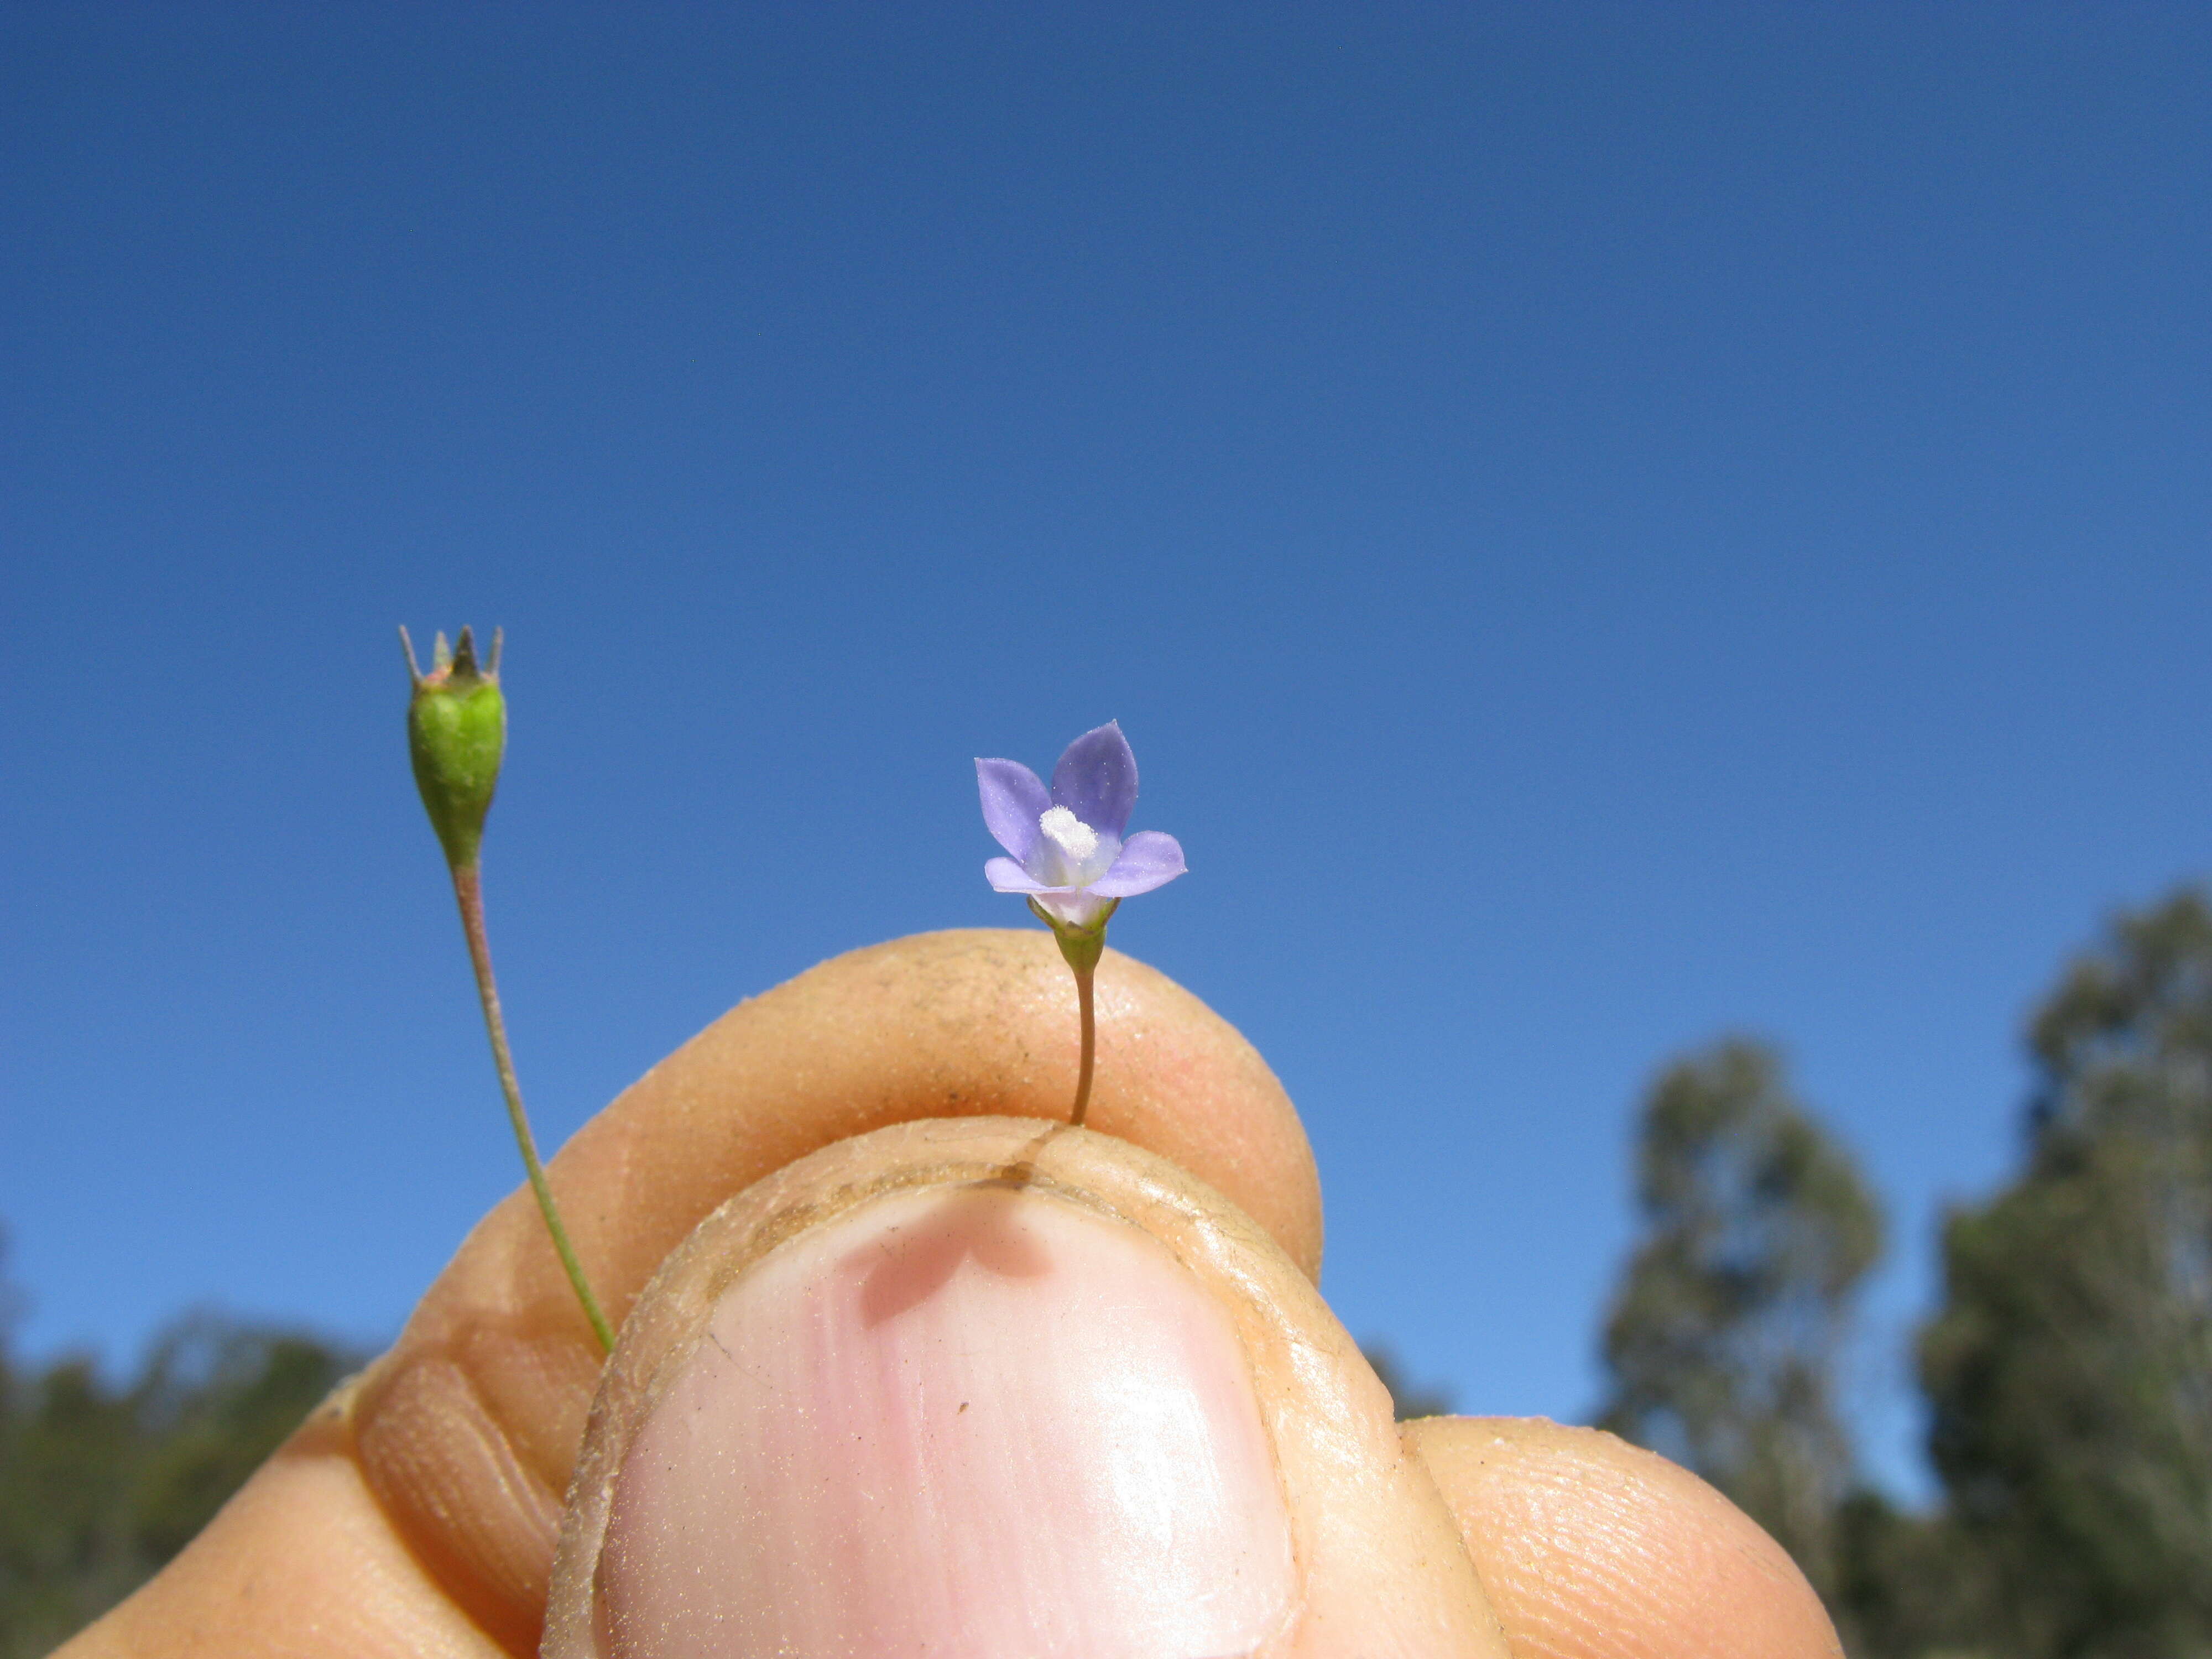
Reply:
x=1076, y=840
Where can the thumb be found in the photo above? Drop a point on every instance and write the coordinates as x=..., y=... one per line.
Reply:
x=994, y=1388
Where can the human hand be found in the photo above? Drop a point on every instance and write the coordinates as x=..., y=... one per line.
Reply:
x=1002, y=1388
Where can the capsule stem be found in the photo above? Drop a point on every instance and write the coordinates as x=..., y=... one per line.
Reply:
x=468, y=892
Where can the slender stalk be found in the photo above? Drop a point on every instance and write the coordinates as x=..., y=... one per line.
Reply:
x=1082, y=972
x=468, y=890
x=1080, y=947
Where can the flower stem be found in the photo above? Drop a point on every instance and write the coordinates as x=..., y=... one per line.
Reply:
x=1083, y=973
x=468, y=890
x=1080, y=947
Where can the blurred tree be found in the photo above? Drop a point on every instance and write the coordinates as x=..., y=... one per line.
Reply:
x=2069, y=1367
x=99, y=1485
x=66, y=1449
x=214, y=1400
x=1909, y=1585
x=1723, y=1337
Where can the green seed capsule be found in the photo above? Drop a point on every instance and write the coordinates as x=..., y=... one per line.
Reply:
x=456, y=736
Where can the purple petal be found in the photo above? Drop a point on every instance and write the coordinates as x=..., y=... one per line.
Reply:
x=1009, y=877
x=1014, y=799
x=1148, y=860
x=1097, y=780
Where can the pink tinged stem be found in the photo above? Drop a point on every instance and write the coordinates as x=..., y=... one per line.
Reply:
x=1080, y=948
x=468, y=890
x=1083, y=1002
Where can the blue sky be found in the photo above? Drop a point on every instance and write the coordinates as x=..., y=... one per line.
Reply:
x=1605, y=526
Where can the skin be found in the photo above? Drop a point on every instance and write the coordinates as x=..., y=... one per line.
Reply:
x=418, y=1512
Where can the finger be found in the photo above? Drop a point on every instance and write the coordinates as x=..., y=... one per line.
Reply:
x=998, y=1389
x=1592, y=1549
x=461, y=1440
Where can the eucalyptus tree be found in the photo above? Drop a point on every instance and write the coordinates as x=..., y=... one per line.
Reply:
x=103, y=1480
x=2069, y=1367
x=1723, y=1337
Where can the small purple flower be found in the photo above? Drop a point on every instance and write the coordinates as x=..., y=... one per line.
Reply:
x=1070, y=857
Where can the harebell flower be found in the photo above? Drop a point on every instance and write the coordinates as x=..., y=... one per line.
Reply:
x=1070, y=858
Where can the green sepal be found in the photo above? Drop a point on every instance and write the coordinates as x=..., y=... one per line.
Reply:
x=1081, y=946
x=456, y=738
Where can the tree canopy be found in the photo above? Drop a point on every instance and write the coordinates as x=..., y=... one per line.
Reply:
x=101, y=1483
x=2069, y=1370
x=1723, y=1337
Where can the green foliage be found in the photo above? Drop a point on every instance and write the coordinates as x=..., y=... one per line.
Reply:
x=67, y=1447
x=1909, y=1586
x=99, y=1485
x=1723, y=1337
x=2070, y=1367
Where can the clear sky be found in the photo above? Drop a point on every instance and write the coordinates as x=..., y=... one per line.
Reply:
x=1605, y=526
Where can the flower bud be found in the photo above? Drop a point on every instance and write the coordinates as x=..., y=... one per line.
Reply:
x=456, y=735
